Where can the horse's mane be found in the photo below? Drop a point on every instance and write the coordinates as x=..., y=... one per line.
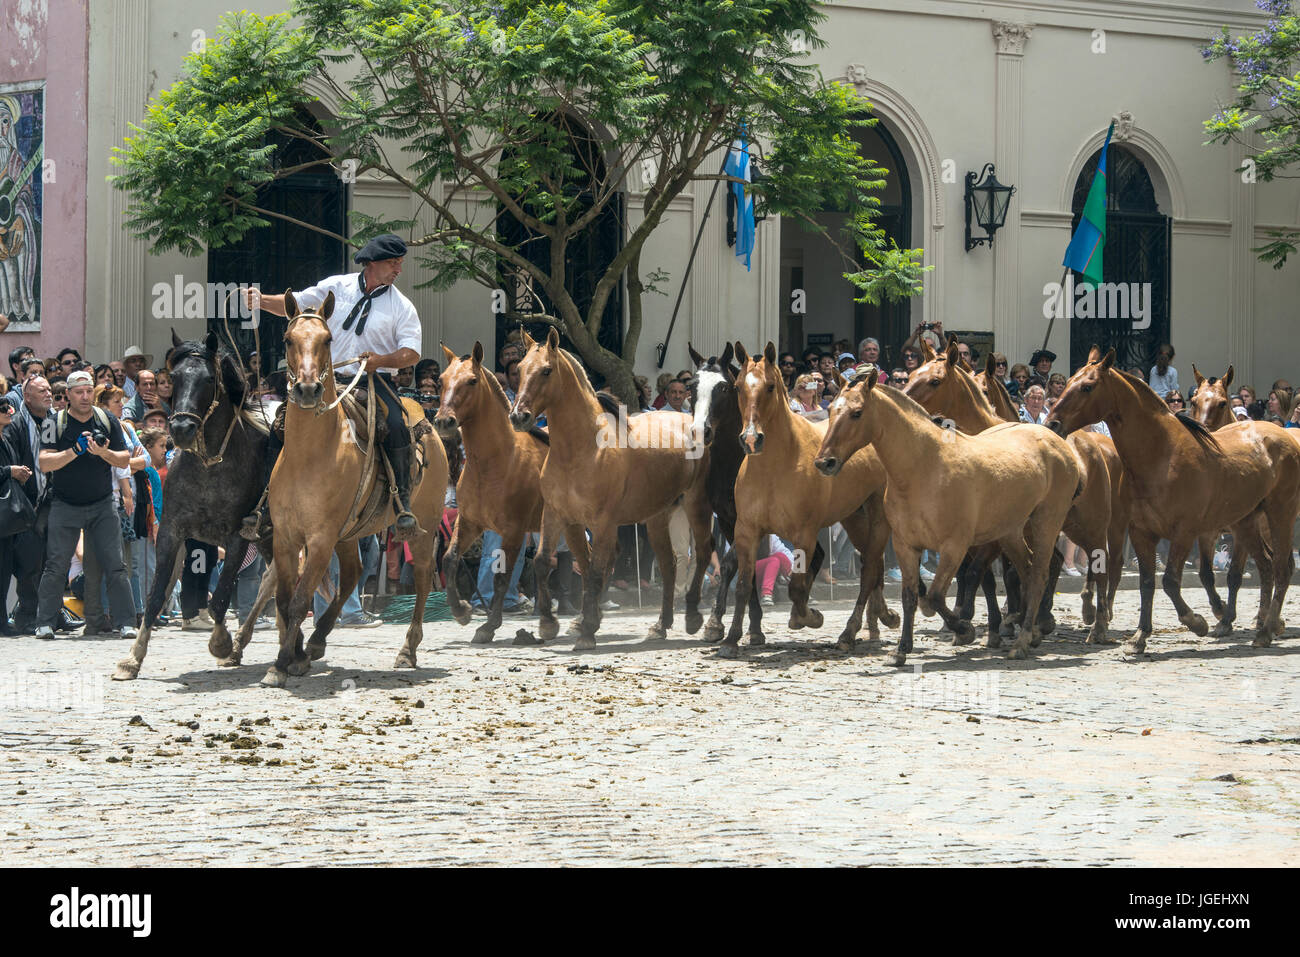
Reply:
x=224, y=360
x=907, y=403
x=1003, y=403
x=494, y=386
x=1152, y=402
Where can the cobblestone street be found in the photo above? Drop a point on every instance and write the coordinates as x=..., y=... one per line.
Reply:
x=659, y=753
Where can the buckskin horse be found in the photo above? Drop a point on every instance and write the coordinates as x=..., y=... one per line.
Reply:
x=1097, y=519
x=500, y=487
x=326, y=493
x=1211, y=406
x=213, y=481
x=603, y=471
x=779, y=491
x=1186, y=482
x=1011, y=484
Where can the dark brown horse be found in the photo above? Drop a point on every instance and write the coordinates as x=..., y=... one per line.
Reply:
x=1186, y=482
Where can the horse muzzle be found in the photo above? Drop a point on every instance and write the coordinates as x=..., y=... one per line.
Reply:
x=1056, y=426
x=828, y=465
x=183, y=431
x=522, y=420
x=446, y=426
x=751, y=440
x=306, y=395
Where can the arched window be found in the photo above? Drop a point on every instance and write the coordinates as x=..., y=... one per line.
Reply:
x=587, y=256
x=283, y=255
x=1136, y=254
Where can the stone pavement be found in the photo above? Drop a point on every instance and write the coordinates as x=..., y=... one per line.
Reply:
x=658, y=753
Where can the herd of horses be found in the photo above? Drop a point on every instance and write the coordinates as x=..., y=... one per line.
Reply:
x=943, y=465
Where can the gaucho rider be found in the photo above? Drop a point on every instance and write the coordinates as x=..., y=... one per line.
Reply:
x=372, y=319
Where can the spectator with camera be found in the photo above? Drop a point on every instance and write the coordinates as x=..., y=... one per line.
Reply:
x=79, y=450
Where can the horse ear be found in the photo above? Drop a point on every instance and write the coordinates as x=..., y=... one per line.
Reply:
x=741, y=355
x=290, y=304
x=211, y=342
x=327, y=307
x=927, y=350
x=1197, y=373
x=725, y=359
x=477, y=353
x=553, y=338
x=176, y=340
x=1094, y=353
x=1227, y=378
x=769, y=353
x=448, y=354
x=1109, y=361
x=950, y=354
x=697, y=360
x=990, y=365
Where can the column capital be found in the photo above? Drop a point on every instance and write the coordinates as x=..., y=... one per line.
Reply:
x=1011, y=36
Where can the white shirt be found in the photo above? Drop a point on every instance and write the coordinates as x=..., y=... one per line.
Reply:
x=1163, y=383
x=392, y=324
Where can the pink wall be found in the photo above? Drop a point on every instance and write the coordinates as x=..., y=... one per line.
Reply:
x=54, y=46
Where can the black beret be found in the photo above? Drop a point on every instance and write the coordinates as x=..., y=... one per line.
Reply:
x=1042, y=354
x=386, y=246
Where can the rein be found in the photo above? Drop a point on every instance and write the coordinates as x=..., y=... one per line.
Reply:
x=200, y=450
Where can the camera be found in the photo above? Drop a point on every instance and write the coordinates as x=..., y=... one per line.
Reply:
x=927, y=326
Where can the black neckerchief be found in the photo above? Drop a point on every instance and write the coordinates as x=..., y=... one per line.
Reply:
x=361, y=311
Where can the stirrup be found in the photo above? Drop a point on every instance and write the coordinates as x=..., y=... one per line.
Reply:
x=254, y=527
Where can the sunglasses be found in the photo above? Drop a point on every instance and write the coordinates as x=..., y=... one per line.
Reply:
x=1000, y=365
x=788, y=362
x=898, y=380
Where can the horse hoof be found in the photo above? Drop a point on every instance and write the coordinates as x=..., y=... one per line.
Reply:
x=127, y=670
x=898, y=659
x=694, y=621
x=1017, y=652
x=462, y=613
x=963, y=633
x=231, y=661
x=584, y=643
x=547, y=629
x=1262, y=640
x=728, y=650
x=1222, y=630
x=1006, y=630
x=275, y=678
x=575, y=627
x=1045, y=625
x=813, y=619
x=300, y=666
x=656, y=632
x=925, y=605
x=484, y=635
x=846, y=642
x=1098, y=637
x=219, y=645
x=889, y=618
x=404, y=660
x=1198, y=626
x=755, y=638
x=1089, y=614
x=315, y=652
x=1035, y=641
x=713, y=631
x=1136, y=645
x=795, y=622
x=993, y=639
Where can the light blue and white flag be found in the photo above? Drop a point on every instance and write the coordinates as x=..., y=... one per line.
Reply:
x=738, y=166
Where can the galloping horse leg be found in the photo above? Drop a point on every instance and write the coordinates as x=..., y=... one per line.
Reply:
x=170, y=555
x=801, y=616
x=1255, y=536
x=425, y=565
x=744, y=547
x=292, y=599
x=661, y=542
x=463, y=536
x=909, y=563
x=936, y=596
x=1012, y=578
x=1046, y=623
x=1281, y=516
x=504, y=566
x=1098, y=588
x=713, y=628
x=582, y=555
x=965, y=600
x=1172, y=582
x=700, y=516
x=859, y=532
x=603, y=541
x=547, y=626
x=1144, y=544
x=878, y=612
x=245, y=633
x=349, y=575
x=1226, y=614
x=219, y=643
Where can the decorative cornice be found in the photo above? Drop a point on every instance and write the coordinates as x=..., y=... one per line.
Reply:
x=1123, y=121
x=1011, y=36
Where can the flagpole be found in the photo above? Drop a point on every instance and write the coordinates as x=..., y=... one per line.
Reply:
x=1051, y=322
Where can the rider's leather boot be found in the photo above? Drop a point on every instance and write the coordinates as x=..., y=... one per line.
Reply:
x=407, y=526
x=257, y=525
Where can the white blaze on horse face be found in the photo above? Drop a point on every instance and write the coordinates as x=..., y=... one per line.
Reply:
x=708, y=381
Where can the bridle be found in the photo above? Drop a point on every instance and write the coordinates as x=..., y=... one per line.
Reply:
x=200, y=450
x=292, y=380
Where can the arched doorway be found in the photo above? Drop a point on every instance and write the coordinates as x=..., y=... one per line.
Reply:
x=809, y=264
x=586, y=258
x=1137, y=251
x=283, y=255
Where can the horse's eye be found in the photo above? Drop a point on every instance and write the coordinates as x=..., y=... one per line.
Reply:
x=1085, y=388
x=771, y=388
x=473, y=381
x=935, y=382
x=855, y=414
x=546, y=370
x=1222, y=404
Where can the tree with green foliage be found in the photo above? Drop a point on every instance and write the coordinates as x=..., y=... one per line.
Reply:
x=1265, y=116
x=473, y=108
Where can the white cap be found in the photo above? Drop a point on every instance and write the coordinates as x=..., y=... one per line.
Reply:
x=80, y=378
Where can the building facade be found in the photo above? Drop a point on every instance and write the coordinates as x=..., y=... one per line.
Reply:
x=1029, y=87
